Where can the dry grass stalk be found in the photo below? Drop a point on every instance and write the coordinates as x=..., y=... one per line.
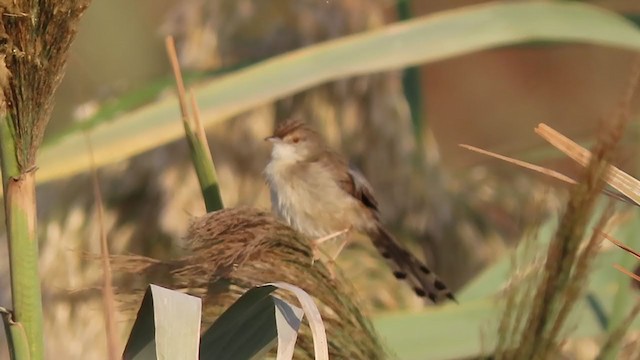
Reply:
x=543, y=130
x=578, y=282
x=561, y=278
x=516, y=295
x=622, y=246
x=108, y=297
x=616, y=336
x=524, y=164
x=235, y=249
x=627, y=249
x=567, y=264
x=618, y=179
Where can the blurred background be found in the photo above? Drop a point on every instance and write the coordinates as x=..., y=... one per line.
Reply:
x=456, y=209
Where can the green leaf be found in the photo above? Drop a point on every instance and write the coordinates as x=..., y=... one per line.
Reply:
x=448, y=332
x=461, y=331
x=17, y=341
x=249, y=327
x=469, y=329
x=206, y=172
x=167, y=326
x=421, y=40
x=243, y=330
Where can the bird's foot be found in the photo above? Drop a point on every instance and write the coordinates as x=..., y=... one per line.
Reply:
x=331, y=259
x=315, y=245
x=331, y=236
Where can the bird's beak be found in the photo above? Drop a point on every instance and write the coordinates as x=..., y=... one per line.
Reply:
x=272, y=139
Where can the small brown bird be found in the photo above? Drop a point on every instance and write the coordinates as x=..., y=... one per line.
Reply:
x=315, y=192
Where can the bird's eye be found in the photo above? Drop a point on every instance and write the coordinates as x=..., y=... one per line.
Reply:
x=295, y=139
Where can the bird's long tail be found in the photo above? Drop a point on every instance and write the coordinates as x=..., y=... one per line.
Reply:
x=405, y=266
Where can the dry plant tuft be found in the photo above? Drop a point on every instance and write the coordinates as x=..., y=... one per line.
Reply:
x=234, y=249
x=35, y=40
x=568, y=260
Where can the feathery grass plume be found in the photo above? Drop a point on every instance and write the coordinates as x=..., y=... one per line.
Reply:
x=567, y=264
x=524, y=266
x=37, y=36
x=235, y=249
x=34, y=40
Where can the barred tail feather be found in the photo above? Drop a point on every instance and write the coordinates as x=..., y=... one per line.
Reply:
x=405, y=266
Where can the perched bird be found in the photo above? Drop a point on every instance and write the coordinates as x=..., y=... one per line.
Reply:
x=315, y=192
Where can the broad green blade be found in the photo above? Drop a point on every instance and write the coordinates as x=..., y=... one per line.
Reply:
x=243, y=330
x=249, y=328
x=448, y=332
x=167, y=326
x=422, y=40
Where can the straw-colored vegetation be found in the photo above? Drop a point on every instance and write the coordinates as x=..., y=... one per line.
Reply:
x=233, y=250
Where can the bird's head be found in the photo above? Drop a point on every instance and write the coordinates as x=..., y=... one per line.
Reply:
x=294, y=141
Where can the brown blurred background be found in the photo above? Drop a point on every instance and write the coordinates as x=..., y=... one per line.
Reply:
x=497, y=96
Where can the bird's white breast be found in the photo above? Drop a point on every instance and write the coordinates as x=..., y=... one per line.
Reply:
x=307, y=197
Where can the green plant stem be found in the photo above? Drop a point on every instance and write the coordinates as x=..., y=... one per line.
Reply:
x=20, y=214
x=16, y=338
x=203, y=164
x=196, y=137
x=411, y=81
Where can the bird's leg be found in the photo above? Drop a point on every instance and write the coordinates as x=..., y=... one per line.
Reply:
x=334, y=235
x=343, y=243
x=332, y=259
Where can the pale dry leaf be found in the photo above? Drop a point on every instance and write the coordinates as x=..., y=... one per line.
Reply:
x=288, y=320
x=316, y=324
x=524, y=164
x=622, y=246
x=618, y=179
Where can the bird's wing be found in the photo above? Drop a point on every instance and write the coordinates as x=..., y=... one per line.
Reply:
x=362, y=190
x=350, y=179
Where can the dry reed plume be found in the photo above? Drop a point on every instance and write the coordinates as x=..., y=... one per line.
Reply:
x=235, y=249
